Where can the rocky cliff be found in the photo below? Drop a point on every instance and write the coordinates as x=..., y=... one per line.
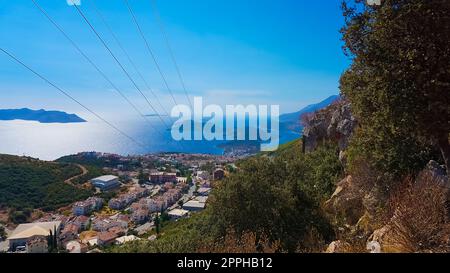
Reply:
x=334, y=123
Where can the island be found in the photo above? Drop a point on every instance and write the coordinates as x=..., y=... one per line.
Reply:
x=41, y=116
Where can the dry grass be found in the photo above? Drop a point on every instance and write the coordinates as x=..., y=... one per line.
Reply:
x=420, y=215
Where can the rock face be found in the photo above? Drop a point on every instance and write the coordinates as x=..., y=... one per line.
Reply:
x=346, y=202
x=334, y=123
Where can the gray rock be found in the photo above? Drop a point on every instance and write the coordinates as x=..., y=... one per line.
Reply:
x=334, y=123
x=438, y=172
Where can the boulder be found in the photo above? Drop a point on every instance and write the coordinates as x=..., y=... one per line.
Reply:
x=438, y=172
x=387, y=240
x=338, y=247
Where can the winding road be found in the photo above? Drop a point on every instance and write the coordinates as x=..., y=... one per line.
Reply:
x=70, y=180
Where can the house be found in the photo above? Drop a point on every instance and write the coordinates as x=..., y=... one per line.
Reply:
x=117, y=203
x=101, y=224
x=193, y=205
x=88, y=206
x=137, y=206
x=96, y=202
x=124, y=200
x=81, y=221
x=202, y=191
x=106, y=238
x=176, y=214
x=37, y=244
x=162, y=177
x=106, y=182
x=218, y=174
x=201, y=199
x=126, y=239
x=76, y=247
x=203, y=175
x=119, y=231
x=157, y=204
x=25, y=232
x=70, y=232
x=123, y=219
x=81, y=208
x=140, y=216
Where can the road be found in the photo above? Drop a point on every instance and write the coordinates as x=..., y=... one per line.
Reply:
x=84, y=172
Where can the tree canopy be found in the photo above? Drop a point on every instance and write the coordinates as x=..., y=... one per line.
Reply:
x=398, y=82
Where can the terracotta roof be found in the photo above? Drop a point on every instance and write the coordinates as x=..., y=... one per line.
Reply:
x=107, y=236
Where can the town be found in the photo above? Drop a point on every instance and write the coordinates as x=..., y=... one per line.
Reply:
x=130, y=201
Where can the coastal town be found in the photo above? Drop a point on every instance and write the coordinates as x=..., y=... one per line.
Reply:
x=130, y=202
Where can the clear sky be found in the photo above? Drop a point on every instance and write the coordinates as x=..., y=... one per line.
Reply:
x=285, y=52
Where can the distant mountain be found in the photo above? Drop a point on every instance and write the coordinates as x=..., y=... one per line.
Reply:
x=42, y=116
x=290, y=128
x=294, y=117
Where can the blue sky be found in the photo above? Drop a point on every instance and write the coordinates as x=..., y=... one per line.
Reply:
x=229, y=51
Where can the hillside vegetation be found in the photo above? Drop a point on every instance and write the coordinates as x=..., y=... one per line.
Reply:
x=27, y=183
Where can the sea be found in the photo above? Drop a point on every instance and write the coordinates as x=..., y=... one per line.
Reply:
x=50, y=141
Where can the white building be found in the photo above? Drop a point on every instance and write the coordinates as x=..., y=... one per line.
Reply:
x=193, y=205
x=25, y=232
x=106, y=182
x=178, y=213
x=126, y=239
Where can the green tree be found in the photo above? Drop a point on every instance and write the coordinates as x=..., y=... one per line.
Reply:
x=142, y=178
x=2, y=232
x=265, y=197
x=50, y=240
x=189, y=179
x=398, y=82
x=157, y=224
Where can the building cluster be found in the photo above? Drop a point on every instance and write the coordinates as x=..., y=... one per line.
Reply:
x=84, y=229
x=124, y=200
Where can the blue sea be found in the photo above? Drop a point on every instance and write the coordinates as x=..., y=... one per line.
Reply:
x=49, y=141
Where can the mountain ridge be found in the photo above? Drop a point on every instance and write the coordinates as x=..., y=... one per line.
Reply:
x=41, y=115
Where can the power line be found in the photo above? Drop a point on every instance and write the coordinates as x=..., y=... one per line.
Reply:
x=70, y=97
x=118, y=62
x=90, y=61
x=116, y=39
x=172, y=54
x=97, y=68
x=150, y=51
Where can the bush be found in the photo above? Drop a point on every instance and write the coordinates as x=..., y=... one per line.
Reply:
x=279, y=197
